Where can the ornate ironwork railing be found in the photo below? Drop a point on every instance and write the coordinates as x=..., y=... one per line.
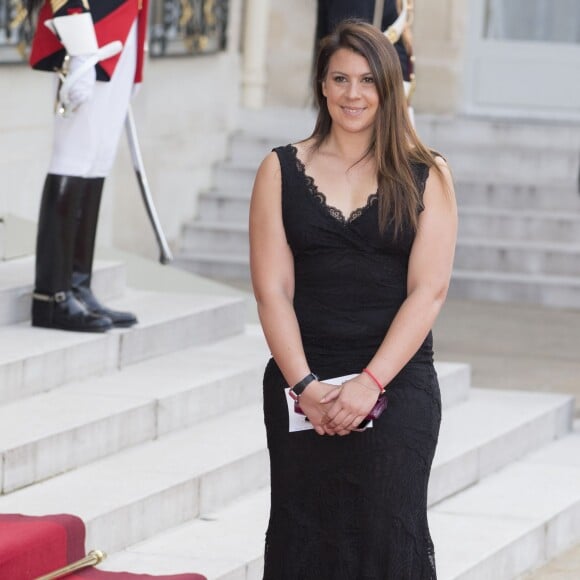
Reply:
x=182, y=27
x=176, y=28
x=15, y=32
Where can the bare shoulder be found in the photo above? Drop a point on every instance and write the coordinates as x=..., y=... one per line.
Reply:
x=440, y=179
x=443, y=170
x=270, y=166
x=439, y=190
x=268, y=177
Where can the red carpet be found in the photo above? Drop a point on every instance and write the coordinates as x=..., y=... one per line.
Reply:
x=32, y=546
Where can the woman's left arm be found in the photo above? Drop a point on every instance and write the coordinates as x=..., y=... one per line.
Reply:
x=430, y=266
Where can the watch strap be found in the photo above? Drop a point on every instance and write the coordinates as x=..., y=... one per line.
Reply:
x=299, y=387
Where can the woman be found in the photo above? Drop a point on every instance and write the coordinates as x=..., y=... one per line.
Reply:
x=347, y=281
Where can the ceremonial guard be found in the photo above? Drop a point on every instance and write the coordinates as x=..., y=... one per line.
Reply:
x=97, y=51
x=393, y=17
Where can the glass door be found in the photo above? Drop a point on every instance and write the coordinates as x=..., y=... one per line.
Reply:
x=523, y=58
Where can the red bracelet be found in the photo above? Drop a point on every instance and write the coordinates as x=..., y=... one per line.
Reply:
x=377, y=382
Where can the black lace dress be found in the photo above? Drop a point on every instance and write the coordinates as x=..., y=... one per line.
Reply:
x=353, y=507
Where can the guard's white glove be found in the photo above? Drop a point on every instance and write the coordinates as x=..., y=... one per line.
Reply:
x=77, y=34
x=81, y=90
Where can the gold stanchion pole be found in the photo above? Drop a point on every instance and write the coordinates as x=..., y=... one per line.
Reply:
x=93, y=558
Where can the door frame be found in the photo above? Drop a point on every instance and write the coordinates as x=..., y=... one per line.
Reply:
x=488, y=75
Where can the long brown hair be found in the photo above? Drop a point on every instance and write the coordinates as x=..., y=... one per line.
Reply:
x=394, y=143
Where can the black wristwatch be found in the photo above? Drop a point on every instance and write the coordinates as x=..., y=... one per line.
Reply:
x=298, y=388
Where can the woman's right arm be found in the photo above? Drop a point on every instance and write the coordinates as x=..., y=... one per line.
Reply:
x=272, y=269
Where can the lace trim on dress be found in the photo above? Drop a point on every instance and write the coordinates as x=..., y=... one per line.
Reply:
x=321, y=197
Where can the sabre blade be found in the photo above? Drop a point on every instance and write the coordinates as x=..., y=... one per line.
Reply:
x=165, y=255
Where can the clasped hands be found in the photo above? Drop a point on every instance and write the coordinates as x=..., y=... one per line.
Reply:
x=338, y=410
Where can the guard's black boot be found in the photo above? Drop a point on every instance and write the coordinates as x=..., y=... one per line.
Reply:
x=53, y=302
x=84, y=249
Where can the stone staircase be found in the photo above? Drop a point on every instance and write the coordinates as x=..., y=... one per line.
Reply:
x=117, y=428
x=154, y=436
x=519, y=233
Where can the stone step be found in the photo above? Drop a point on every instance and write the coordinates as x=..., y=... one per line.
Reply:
x=471, y=447
x=564, y=566
x=141, y=491
x=33, y=360
x=234, y=185
x=508, y=194
x=553, y=291
x=216, y=236
x=16, y=285
x=482, y=191
x=500, y=527
x=518, y=256
x=88, y=420
x=216, y=265
x=295, y=123
x=504, y=213
x=225, y=206
x=553, y=168
x=17, y=237
x=454, y=382
x=138, y=492
x=551, y=226
x=234, y=179
x=436, y=130
x=247, y=150
x=514, y=520
x=94, y=418
x=270, y=124
x=227, y=544
x=520, y=253
x=466, y=283
x=530, y=165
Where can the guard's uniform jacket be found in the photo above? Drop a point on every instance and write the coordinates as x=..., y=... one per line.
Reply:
x=112, y=19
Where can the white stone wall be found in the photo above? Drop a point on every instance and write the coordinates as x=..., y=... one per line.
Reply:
x=291, y=44
x=25, y=113
x=184, y=111
x=439, y=32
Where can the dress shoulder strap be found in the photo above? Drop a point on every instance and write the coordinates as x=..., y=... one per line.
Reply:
x=285, y=156
x=288, y=166
x=421, y=173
